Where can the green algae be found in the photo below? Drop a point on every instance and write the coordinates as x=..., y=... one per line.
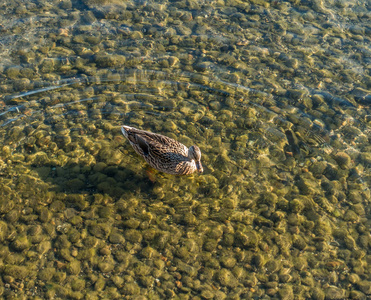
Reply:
x=77, y=203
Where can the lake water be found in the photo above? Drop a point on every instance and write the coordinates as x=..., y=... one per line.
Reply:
x=277, y=96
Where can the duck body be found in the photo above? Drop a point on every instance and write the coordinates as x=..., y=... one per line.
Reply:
x=163, y=153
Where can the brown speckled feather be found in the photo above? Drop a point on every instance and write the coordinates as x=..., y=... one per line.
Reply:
x=163, y=153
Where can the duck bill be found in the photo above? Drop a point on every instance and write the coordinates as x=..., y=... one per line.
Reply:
x=124, y=132
x=199, y=167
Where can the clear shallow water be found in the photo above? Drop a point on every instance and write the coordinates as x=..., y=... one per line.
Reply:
x=275, y=95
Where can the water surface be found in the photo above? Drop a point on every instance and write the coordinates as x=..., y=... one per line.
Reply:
x=276, y=95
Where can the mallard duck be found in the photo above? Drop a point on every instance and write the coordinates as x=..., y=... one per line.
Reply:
x=163, y=153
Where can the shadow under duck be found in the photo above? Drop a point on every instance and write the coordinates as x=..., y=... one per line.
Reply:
x=163, y=153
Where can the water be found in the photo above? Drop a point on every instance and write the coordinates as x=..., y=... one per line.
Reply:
x=276, y=95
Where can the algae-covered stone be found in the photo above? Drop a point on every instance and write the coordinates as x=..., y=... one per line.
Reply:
x=286, y=292
x=46, y=274
x=77, y=284
x=159, y=264
x=74, y=235
x=147, y=281
x=60, y=277
x=132, y=223
x=182, y=253
x=133, y=236
x=11, y=217
x=228, y=262
x=258, y=260
x=296, y=205
x=307, y=184
x=100, y=230
x=355, y=196
x=308, y=280
x=239, y=272
x=6, y=205
x=353, y=278
x=131, y=288
x=106, y=266
x=365, y=286
x=190, y=219
x=210, y=245
x=13, y=72
x=118, y=281
x=21, y=243
x=249, y=239
x=39, y=159
x=299, y=242
x=100, y=284
x=18, y=272
x=90, y=242
x=187, y=269
x=335, y=293
x=105, y=212
x=272, y=266
x=226, y=278
x=43, y=247
x=3, y=231
x=105, y=60
x=74, y=267
x=44, y=214
x=322, y=228
x=140, y=269
x=75, y=220
x=343, y=160
x=351, y=216
x=35, y=230
x=74, y=185
x=220, y=295
x=111, y=292
x=207, y=294
x=116, y=238
x=285, y=275
x=357, y=295
x=62, y=242
x=57, y=206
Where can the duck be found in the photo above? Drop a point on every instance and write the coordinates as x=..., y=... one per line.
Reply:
x=163, y=153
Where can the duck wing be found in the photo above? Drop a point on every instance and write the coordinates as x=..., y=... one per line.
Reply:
x=161, y=143
x=159, y=153
x=142, y=144
x=153, y=143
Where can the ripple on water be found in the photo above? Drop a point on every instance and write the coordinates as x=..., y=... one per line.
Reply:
x=276, y=99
